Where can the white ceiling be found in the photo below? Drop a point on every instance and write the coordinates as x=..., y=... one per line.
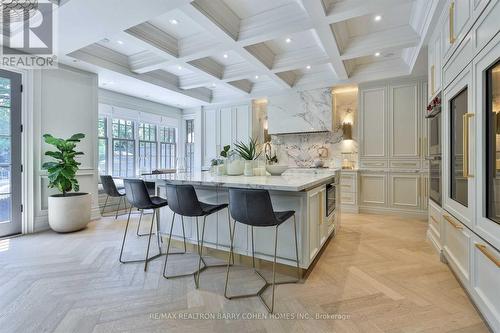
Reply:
x=189, y=53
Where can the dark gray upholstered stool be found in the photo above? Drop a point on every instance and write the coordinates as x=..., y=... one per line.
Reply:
x=138, y=196
x=254, y=208
x=183, y=201
x=109, y=187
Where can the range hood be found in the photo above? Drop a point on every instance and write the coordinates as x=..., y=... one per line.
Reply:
x=300, y=112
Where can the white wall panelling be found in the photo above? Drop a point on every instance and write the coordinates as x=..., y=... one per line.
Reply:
x=65, y=103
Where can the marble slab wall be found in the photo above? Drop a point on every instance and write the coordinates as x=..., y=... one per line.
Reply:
x=303, y=111
x=302, y=149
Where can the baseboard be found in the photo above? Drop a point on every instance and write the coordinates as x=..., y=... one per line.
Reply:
x=383, y=210
x=350, y=209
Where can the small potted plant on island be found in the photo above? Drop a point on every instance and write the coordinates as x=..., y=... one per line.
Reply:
x=272, y=165
x=68, y=212
x=249, y=153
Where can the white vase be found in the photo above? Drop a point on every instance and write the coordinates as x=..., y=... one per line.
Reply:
x=221, y=170
x=248, y=171
x=69, y=213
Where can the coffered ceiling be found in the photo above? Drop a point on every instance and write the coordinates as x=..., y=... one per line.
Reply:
x=189, y=53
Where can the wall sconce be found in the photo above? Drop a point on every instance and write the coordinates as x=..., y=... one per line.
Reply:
x=347, y=131
x=267, y=137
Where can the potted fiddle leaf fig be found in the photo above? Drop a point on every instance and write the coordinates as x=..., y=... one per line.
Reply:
x=69, y=210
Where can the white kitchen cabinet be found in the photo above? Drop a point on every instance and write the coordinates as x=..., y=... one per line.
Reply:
x=456, y=247
x=373, y=122
x=405, y=191
x=315, y=211
x=349, y=191
x=456, y=24
x=223, y=126
x=404, y=120
x=436, y=225
x=434, y=65
x=484, y=226
x=485, y=280
x=373, y=189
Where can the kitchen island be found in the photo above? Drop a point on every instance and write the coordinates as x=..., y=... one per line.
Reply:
x=303, y=192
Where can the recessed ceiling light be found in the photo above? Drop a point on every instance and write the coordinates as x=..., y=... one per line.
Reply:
x=105, y=40
x=214, y=85
x=173, y=22
x=378, y=18
x=226, y=55
x=288, y=40
x=119, y=42
x=308, y=67
x=377, y=54
x=179, y=67
x=256, y=77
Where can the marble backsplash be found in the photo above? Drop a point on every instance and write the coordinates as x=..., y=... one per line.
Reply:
x=302, y=150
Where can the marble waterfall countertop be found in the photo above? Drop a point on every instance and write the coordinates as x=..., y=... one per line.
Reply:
x=290, y=181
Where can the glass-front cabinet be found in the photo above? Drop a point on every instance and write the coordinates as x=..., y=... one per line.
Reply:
x=458, y=156
x=487, y=102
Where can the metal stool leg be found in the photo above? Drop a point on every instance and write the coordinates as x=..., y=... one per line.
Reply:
x=267, y=284
x=168, y=250
x=123, y=245
x=139, y=225
x=105, y=203
x=118, y=208
x=146, y=260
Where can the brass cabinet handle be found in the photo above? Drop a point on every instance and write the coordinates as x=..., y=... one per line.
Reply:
x=488, y=254
x=465, y=148
x=453, y=223
x=452, y=22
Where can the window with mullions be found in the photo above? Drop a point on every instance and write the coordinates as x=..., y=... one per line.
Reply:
x=103, y=145
x=168, y=148
x=147, y=147
x=189, y=154
x=123, y=148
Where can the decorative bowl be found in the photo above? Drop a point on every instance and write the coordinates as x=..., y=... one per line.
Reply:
x=276, y=169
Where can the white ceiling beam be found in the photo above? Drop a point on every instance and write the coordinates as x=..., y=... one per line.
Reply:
x=273, y=24
x=348, y=9
x=107, y=18
x=108, y=59
x=316, y=12
x=299, y=59
x=213, y=27
x=396, y=38
x=146, y=61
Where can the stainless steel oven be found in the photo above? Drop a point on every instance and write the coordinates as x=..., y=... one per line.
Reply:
x=331, y=198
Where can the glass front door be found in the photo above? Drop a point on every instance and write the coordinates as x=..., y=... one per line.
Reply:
x=10, y=153
x=493, y=143
x=459, y=190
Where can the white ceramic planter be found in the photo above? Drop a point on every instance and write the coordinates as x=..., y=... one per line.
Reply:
x=69, y=213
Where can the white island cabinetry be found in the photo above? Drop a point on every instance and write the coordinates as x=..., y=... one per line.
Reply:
x=303, y=193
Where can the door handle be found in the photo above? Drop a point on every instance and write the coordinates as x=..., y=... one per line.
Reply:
x=465, y=148
x=488, y=254
x=453, y=223
x=452, y=22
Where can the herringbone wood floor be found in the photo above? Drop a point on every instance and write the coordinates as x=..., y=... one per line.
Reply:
x=379, y=271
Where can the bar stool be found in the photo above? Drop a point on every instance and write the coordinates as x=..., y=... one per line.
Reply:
x=138, y=196
x=184, y=202
x=254, y=208
x=109, y=187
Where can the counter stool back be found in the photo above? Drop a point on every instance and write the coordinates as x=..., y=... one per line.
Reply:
x=253, y=207
x=183, y=201
x=109, y=187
